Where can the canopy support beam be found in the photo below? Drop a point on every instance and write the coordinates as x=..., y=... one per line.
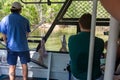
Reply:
x=111, y=49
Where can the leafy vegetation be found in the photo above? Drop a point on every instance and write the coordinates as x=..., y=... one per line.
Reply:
x=29, y=11
x=38, y=12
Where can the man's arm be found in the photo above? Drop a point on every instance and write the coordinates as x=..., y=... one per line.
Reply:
x=112, y=6
x=27, y=34
x=4, y=38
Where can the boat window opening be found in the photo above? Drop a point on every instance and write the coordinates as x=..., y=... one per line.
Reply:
x=47, y=14
x=36, y=36
x=54, y=41
x=56, y=35
x=38, y=31
x=102, y=32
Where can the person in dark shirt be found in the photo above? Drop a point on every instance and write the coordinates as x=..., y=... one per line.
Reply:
x=79, y=51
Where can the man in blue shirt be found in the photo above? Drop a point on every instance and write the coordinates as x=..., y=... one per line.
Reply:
x=15, y=29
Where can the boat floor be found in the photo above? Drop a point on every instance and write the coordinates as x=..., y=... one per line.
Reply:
x=6, y=77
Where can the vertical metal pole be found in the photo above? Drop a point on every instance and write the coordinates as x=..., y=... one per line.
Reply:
x=92, y=37
x=111, y=50
x=49, y=65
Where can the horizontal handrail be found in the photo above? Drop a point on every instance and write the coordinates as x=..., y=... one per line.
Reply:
x=39, y=2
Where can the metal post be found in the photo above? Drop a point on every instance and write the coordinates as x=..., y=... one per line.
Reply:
x=111, y=50
x=91, y=48
x=49, y=65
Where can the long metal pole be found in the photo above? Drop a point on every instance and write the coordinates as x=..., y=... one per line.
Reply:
x=92, y=37
x=111, y=50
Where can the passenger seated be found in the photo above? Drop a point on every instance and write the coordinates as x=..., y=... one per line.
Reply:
x=79, y=51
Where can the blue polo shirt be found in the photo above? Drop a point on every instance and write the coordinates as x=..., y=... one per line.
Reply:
x=15, y=27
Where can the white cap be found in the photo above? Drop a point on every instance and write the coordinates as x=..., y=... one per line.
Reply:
x=16, y=5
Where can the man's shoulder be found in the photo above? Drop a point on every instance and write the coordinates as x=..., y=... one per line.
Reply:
x=24, y=17
x=72, y=36
x=6, y=16
x=100, y=39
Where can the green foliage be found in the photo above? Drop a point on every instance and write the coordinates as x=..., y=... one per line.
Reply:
x=36, y=12
x=50, y=12
x=29, y=11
